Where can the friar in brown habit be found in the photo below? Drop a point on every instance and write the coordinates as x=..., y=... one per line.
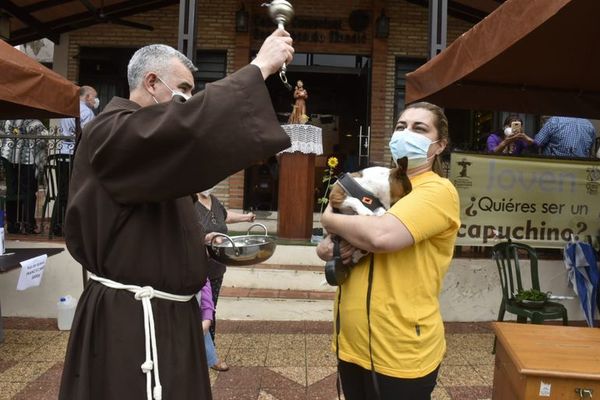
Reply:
x=137, y=331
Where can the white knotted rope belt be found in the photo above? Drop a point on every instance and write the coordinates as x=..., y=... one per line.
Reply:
x=145, y=294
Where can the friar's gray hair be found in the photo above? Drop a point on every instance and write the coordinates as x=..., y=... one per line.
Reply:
x=155, y=58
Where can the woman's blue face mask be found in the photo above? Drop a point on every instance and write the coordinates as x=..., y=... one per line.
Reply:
x=413, y=146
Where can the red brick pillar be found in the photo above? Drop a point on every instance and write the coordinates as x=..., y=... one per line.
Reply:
x=241, y=58
x=379, y=137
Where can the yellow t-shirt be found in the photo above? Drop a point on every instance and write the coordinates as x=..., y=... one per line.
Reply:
x=407, y=332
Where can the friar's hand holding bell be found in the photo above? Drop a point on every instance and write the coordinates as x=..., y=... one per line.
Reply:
x=275, y=51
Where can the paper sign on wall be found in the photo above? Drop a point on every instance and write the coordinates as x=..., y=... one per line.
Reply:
x=31, y=272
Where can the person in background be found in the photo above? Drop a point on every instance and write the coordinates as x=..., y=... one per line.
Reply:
x=390, y=334
x=213, y=218
x=566, y=137
x=23, y=160
x=508, y=140
x=207, y=308
x=88, y=103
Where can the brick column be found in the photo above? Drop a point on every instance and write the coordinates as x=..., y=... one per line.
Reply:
x=378, y=91
x=241, y=57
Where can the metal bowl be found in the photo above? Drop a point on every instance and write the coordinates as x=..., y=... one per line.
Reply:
x=242, y=250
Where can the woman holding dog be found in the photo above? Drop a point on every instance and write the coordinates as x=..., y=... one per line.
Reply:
x=389, y=330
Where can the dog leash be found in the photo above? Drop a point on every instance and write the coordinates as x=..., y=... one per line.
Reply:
x=338, y=331
x=369, y=290
x=338, y=381
x=370, y=201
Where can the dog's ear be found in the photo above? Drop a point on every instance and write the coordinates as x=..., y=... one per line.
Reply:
x=402, y=164
x=336, y=196
x=400, y=185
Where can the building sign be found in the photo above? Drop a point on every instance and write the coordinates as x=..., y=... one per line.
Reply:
x=537, y=201
x=310, y=29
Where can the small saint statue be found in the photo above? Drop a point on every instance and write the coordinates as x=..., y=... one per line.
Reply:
x=298, y=115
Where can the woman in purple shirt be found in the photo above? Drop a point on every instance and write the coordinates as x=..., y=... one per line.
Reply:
x=508, y=141
x=207, y=307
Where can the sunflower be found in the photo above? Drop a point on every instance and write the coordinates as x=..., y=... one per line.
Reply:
x=328, y=174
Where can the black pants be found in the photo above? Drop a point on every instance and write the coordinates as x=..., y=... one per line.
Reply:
x=357, y=384
x=63, y=173
x=21, y=188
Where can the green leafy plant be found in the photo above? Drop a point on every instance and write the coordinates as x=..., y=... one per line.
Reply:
x=532, y=295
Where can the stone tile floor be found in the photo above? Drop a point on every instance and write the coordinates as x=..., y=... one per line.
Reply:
x=268, y=361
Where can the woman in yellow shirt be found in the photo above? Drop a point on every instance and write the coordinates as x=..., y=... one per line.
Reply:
x=389, y=331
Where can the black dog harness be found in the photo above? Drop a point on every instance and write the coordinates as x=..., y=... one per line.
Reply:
x=354, y=189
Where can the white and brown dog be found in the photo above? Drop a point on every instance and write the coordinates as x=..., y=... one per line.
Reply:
x=388, y=185
x=379, y=189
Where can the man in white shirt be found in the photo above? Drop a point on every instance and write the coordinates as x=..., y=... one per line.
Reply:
x=88, y=101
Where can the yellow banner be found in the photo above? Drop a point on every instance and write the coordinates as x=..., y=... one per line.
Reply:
x=538, y=201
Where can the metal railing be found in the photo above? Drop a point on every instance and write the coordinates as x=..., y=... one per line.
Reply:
x=34, y=182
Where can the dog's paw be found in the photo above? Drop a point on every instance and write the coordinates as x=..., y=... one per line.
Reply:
x=379, y=212
x=364, y=211
x=356, y=205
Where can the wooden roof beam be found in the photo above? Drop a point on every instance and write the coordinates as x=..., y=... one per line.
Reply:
x=43, y=29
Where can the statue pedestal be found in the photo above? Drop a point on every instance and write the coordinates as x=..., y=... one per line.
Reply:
x=297, y=182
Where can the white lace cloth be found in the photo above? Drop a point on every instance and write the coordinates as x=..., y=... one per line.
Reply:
x=145, y=294
x=306, y=139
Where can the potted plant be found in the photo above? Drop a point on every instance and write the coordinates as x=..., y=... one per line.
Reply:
x=532, y=298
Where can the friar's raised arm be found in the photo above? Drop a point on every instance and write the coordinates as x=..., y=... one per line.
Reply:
x=171, y=149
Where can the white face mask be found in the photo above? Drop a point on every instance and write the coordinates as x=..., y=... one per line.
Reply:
x=411, y=145
x=96, y=103
x=207, y=192
x=508, y=131
x=174, y=92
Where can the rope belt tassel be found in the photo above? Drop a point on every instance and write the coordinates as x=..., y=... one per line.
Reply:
x=145, y=294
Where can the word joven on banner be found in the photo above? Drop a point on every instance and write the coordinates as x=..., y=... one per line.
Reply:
x=538, y=201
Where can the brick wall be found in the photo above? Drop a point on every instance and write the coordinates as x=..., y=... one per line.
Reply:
x=408, y=38
x=379, y=80
x=216, y=31
x=333, y=9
